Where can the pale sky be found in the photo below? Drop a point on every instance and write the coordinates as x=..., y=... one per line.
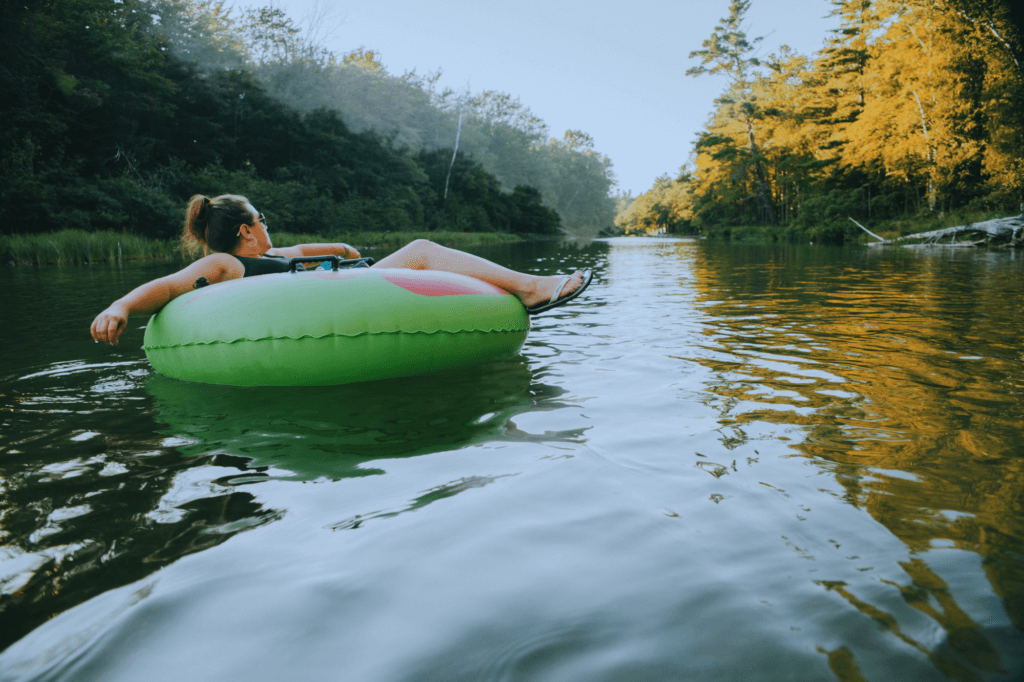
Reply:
x=614, y=70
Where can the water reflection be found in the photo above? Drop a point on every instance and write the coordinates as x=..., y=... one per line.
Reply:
x=905, y=380
x=94, y=490
x=96, y=496
x=438, y=493
x=330, y=432
x=966, y=649
x=735, y=461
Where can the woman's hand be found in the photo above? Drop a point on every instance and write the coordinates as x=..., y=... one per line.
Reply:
x=108, y=325
x=149, y=298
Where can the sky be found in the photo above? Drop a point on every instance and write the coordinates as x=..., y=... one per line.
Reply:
x=614, y=70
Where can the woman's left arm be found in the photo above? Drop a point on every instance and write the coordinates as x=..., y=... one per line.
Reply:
x=152, y=296
x=305, y=250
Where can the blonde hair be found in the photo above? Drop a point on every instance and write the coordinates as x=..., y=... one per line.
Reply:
x=212, y=224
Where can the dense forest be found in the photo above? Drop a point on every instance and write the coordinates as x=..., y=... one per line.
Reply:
x=116, y=111
x=912, y=109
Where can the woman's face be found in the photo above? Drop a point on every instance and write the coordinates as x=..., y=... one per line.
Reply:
x=257, y=228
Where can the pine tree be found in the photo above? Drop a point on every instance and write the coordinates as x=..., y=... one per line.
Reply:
x=729, y=52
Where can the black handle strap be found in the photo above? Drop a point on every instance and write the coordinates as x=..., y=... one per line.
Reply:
x=336, y=263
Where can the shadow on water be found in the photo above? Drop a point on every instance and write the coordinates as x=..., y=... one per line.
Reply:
x=331, y=432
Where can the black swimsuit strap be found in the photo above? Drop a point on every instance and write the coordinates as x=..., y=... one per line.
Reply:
x=265, y=265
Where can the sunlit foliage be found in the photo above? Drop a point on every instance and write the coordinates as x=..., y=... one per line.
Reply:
x=663, y=209
x=911, y=108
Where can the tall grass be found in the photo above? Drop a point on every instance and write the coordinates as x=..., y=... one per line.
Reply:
x=78, y=246
x=69, y=247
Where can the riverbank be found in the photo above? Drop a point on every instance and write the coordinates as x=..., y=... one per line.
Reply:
x=70, y=247
x=848, y=233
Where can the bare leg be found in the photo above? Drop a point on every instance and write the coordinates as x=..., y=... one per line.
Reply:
x=423, y=254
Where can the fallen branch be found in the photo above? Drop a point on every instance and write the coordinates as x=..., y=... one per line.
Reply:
x=867, y=230
x=996, y=228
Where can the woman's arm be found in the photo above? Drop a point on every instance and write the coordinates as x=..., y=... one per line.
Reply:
x=302, y=250
x=152, y=296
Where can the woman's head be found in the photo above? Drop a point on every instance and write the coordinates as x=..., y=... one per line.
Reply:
x=216, y=224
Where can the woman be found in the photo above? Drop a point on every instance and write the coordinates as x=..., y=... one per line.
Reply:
x=237, y=233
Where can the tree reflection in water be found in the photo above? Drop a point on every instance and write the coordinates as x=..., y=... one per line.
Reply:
x=907, y=389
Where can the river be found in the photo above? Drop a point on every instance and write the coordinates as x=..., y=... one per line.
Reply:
x=724, y=462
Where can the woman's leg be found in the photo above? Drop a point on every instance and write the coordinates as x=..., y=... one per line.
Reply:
x=426, y=255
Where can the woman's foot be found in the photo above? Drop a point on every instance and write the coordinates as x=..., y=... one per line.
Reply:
x=550, y=292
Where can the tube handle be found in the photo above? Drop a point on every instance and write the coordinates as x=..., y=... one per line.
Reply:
x=336, y=263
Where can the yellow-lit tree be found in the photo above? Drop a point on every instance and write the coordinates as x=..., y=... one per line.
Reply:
x=913, y=107
x=729, y=52
x=665, y=208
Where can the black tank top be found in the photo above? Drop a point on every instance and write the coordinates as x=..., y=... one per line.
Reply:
x=265, y=265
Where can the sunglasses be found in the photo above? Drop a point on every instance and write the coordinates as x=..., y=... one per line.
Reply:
x=259, y=219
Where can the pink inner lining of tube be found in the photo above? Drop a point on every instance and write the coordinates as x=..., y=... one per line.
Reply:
x=430, y=284
x=423, y=283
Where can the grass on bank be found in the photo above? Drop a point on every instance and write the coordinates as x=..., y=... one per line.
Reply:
x=72, y=247
x=77, y=246
x=849, y=233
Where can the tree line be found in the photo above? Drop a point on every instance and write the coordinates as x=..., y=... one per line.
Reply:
x=116, y=111
x=912, y=109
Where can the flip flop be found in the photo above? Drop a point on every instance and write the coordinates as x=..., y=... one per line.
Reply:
x=556, y=300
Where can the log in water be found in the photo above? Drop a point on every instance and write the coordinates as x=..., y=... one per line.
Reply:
x=1000, y=231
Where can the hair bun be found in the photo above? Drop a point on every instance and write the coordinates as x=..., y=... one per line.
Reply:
x=197, y=220
x=203, y=214
x=213, y=223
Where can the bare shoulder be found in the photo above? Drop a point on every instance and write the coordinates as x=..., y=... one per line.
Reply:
x=217, y=267
x=224, y=263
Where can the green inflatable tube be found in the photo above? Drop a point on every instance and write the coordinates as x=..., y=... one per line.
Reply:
x=324, y=328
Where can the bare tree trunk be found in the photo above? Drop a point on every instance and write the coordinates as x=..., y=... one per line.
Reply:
x=762, y=186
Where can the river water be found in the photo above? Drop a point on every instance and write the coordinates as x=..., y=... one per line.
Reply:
x=724, y=462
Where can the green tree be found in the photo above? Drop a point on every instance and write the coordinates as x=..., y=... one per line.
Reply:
x=116, y=111
x=577, y=184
